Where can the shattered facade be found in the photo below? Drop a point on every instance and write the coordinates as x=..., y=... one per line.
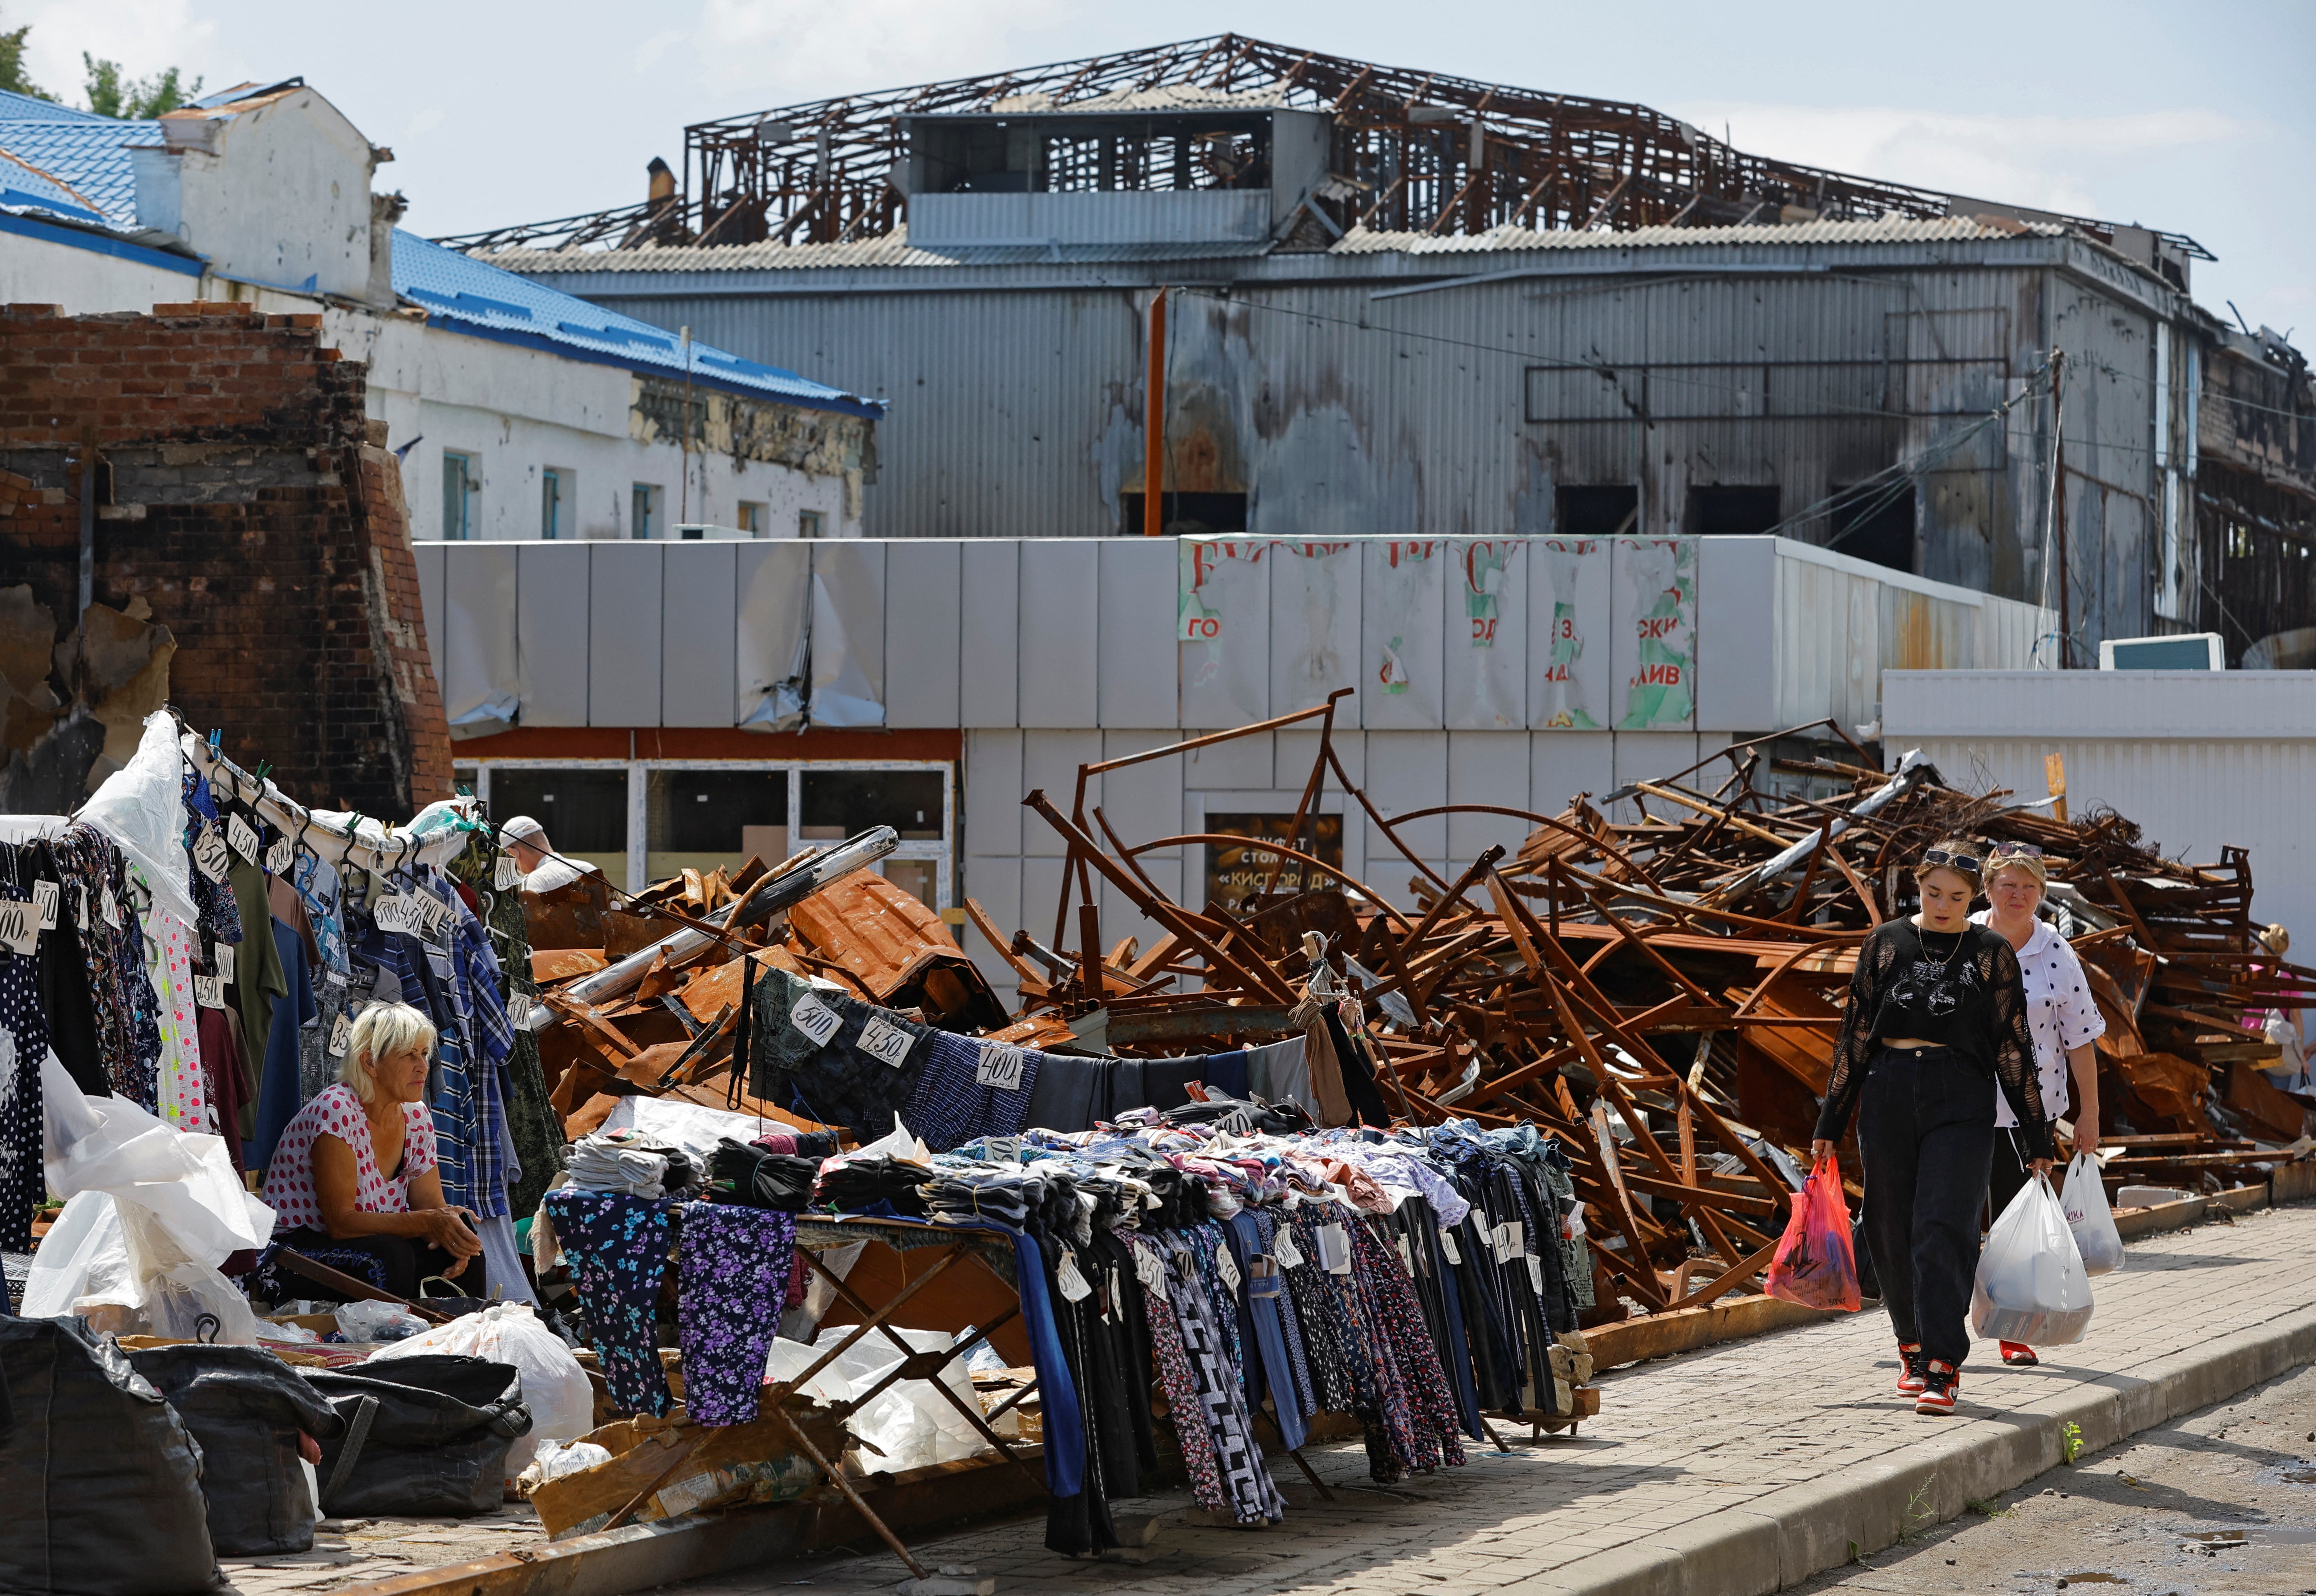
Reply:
x=251, y=562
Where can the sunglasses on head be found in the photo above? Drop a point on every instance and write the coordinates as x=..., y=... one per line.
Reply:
x=1965, y=862
x=2016, y=850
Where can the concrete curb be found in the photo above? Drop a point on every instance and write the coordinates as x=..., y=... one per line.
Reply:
x=1782, y=1538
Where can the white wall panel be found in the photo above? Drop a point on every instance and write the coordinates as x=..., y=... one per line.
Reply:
x=1408, y=770
x=925, y=607
x=1243, y=762
x=1061, y=632
x=699, y=632
x=1223, y=589
x=1570, y=664
x=1298, y=749
x=1403, y=604
x=1654, y=625
x=624, y=604
x=429, y=557
x=1737, y=635
x=1135, y=633
x=1487, y=768
x=1488, y=635
x=555, y=628
x=989, y=643
x=481, y=669
x=992, y=794
x=1143, y=802
x=1041, y=887
x=995, y=884
x=1564, y=763
x=848, y=633
x=1050, y=762
x=1314, y=626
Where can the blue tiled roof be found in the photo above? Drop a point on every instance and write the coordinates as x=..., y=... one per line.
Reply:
x=23, y=188
x=15, y=107
x=89, y=154
x=460, y=292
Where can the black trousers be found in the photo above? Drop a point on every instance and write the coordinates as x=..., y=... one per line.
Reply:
x=1926, y=1136
x=402, y=1261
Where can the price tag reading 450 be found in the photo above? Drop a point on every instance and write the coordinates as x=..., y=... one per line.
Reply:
x=881, y=1038
x=814, y=1018
x=1001, y=1067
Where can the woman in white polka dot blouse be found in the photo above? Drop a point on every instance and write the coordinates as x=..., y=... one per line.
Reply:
x=2059, y=1013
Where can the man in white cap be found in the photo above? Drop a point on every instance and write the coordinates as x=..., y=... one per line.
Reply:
x=534, y=856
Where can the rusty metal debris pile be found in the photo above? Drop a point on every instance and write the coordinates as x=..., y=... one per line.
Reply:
x=1661, y=992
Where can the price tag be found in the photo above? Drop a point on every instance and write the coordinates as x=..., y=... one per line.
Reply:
x=1406, y=1257
x=1001, y=1067
x=1072, y=1284
x=46, y=897
x=1003, y=1149
x=341, y=1036
x=224, y=959
x=1283, y=1247
x=397, y=912
x=243, y=836
x=1151, y=1272
x=505, y=873
x=80, y=901
x=1228, y=1268
x=1235, y=1123
x=20, y=926
x=881, y=1038
x=1448, y=1244
x=436, y=922
x=1335, y=1249
x=1515, y=1240
x=280, y=857
x=209, y=992
x=112, y=910
x=814, y=1018
x=210, y=855
x=1536, y=1275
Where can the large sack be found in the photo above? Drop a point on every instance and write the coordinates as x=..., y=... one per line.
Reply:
x=554, y=1388
x=100, y=1480
x=435, y=1444
x=245, y=1407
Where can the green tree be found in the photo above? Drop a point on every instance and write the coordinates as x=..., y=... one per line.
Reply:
x=11, y=66
x=112, y=93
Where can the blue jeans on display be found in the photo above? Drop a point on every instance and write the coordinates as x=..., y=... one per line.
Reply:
x=1926, y=1134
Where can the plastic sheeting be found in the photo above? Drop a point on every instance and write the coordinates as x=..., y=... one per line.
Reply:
x=141, y=808
x=909, y=1426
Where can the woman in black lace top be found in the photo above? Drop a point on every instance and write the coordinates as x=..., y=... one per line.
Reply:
x=1936, y=1026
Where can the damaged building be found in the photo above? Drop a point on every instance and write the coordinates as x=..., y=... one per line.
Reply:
x=1402, y=303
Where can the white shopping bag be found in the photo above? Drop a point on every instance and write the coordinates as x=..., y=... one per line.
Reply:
x=2090, y=1218
x=2031, y=1287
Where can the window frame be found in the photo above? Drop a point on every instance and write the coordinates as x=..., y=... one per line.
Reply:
x=467, y=487
x=650, y=497
x=554, y=497
x=812, y=523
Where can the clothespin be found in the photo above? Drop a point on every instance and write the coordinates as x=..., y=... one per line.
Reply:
x=263, y=767
x=217, y=741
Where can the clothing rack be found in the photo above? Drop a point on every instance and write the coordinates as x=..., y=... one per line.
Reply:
x=354, y=839
x=30, y=828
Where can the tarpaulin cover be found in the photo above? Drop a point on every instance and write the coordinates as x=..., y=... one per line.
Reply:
x=245, y=1407
x=438, y=1442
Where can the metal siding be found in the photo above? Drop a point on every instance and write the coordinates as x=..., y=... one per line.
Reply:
x=621, y=672
x=698, y=634
x=995, y=884
x=1144, y=802
x=556, y=631
x=922, y=590
x=847, y=581
x=1120, y=216
x=1408, y=770
x=989, y=647
x=1049, y=764
x=772, y=586
x=1565, y=763
x=1060, y=631
x=479, y=649
x=992, y=790
x=2144, y=705
x=1136, y=631
x=1738, y=631
x=1487, y=768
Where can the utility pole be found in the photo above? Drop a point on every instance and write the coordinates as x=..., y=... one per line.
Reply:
x=2059, y=507
x=1153, y=424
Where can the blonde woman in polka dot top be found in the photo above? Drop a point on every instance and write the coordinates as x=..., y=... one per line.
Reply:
x=354, y=1178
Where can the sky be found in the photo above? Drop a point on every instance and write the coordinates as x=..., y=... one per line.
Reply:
x=2189, y=119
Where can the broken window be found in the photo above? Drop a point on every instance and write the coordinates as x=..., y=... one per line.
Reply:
x=584, y=809
x=1875, y=522
x=459, y=487
x=1732, y=512
x=808, y=523
x=1597, y=512
x=755, y=518
x=839, y=803
x=1187, y=515
x=700, y=819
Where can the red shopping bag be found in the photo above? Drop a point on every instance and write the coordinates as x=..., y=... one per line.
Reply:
x=1815, y=1265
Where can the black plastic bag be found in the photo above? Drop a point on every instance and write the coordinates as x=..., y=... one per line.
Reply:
x=435, y=1441
x=245, y=1407
x=100, y=1480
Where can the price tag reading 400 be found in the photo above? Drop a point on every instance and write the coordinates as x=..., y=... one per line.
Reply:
x=814, y=1018
x=1001, y=1067
x=20, y=926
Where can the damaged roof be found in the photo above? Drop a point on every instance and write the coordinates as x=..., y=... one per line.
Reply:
x=83, y=155
x=476, y=298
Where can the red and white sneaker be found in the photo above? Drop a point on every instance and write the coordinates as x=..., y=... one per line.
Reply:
x=2018, y=1355
x=1941, y=1382
x=1910, y=1368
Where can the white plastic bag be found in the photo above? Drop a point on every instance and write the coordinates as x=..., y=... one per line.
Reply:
x=2031, y=1287
x=555, y=1388
x=379, y=1322
x=908, y=1426
x=555, y=1460
x=2091, y=1220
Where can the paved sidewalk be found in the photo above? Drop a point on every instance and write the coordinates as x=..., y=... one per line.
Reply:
x=1725, y=1472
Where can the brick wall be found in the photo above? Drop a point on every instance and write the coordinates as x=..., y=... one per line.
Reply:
x=244, y=498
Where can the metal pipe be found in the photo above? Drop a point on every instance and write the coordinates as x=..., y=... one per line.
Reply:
x=820, y=871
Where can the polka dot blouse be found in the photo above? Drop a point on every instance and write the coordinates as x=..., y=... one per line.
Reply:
x=338, y=1112
x=2060, y=1014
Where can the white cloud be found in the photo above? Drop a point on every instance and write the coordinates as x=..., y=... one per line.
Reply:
x=144, y=36
x=779, y=50
x=2042, y=162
